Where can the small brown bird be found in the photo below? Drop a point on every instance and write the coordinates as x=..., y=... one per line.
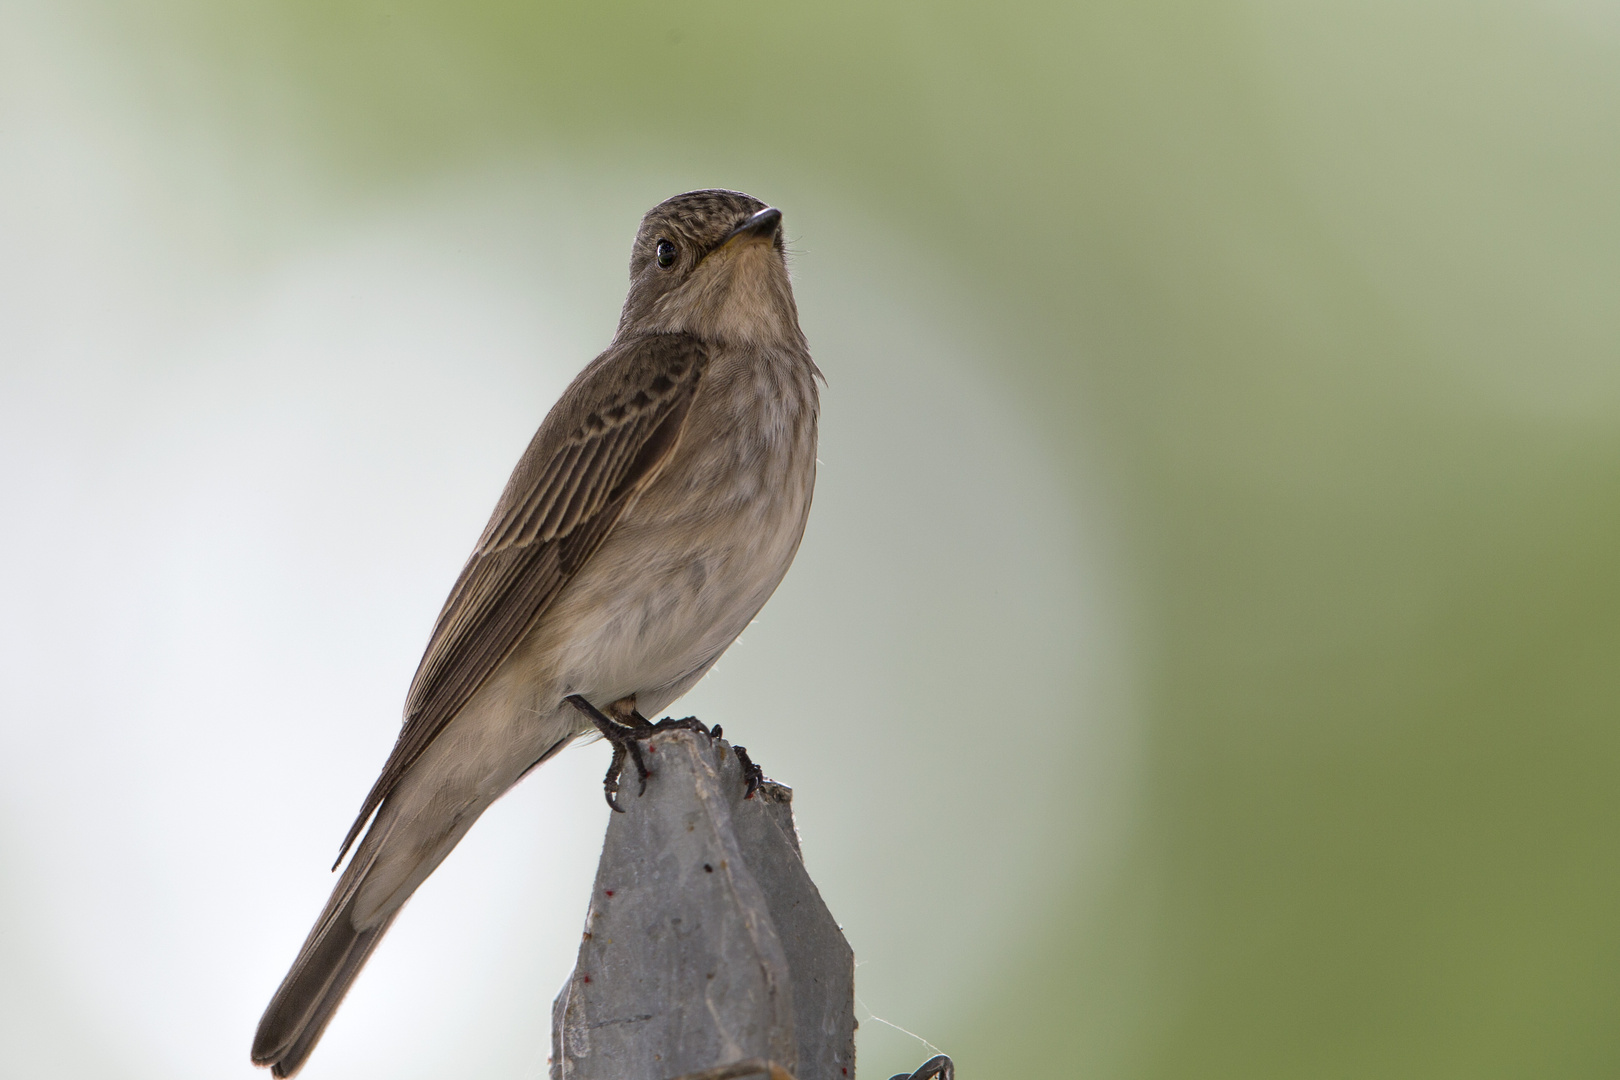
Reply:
x=651, y=517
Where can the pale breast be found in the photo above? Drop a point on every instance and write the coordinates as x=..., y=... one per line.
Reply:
x=692, y=562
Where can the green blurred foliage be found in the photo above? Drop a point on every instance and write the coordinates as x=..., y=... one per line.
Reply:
x=1328, y=292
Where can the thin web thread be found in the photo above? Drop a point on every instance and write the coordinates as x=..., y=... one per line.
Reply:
x=870, y=1015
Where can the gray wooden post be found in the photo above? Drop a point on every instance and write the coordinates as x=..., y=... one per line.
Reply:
x=706, y=943
x=708, y=953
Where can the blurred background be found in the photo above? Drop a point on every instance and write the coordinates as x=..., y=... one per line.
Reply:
x=1202, y=660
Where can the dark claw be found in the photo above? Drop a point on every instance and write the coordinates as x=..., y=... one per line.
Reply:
x=935, y=1066
x=752, y=774
x=610, y=782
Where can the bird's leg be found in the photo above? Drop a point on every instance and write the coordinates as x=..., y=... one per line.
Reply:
x=632, y=718
x=940, y=1067
x=625, y=737
x=623, y=726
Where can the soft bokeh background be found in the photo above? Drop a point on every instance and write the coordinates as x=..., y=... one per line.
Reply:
x=1205, y=654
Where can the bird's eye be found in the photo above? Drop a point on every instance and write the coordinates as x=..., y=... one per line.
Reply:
x=666, y=254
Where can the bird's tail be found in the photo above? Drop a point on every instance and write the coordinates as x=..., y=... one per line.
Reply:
x=411, y=834
x=332, y=956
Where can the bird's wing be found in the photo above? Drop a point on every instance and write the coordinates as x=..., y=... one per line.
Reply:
x=601, y=444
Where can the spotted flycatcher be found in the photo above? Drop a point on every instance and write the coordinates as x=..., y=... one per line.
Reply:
x=651, y=517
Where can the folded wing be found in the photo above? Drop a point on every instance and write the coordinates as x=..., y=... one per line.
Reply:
x=585, y=465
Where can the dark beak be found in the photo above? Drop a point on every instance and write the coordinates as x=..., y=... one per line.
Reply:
x=761, y=226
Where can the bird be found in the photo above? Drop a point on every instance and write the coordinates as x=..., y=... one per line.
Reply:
x=654, y=512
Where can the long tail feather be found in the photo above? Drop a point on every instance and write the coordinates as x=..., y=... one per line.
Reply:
x=331, y=957
x=304, y=1005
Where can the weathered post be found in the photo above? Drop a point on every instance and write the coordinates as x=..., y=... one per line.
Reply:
x=707, y=952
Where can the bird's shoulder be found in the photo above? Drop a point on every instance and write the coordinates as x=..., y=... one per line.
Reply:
x=631, y=383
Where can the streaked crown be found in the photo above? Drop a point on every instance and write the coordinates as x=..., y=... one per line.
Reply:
x=696, y=222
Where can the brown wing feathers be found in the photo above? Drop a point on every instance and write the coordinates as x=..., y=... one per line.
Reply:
x=576, y=478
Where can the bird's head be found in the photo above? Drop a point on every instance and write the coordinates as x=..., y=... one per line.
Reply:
x=711, y=263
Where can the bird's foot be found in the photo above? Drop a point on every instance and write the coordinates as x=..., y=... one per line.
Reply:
x=940, y=1067
x=627, y=739
x=753, y=775
x=685, y=723
x=626, y=743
